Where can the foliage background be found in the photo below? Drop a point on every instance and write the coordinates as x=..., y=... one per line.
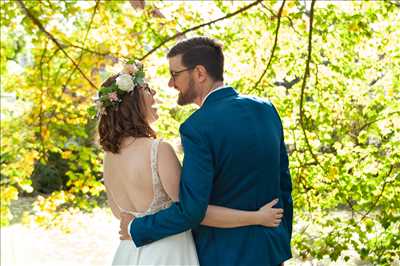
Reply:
x=331, y=69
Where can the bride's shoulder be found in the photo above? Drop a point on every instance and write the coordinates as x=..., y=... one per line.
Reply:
x=164, y=145
x=165, y=149
x=167, y=158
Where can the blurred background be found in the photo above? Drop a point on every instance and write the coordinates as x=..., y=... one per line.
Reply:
x=330, y=67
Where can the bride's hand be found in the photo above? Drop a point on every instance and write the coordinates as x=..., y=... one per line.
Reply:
x=269, y=216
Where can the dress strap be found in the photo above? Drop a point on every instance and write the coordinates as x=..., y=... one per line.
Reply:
x=154, y=163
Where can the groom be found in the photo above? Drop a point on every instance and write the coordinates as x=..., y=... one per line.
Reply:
x=235, y=157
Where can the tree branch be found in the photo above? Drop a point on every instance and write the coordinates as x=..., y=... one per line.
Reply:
x=385, y=182
x=269, y=9
x=376, y=120
x=372, y=83
x=273, y=47
x=286, y=83
x=303, y=86
x=241, y=10
x=84, y=40
x=395, y=3
x=87, y=50
x=51, y=37
x=292, y=25
x=41, y=134
x=64, y=86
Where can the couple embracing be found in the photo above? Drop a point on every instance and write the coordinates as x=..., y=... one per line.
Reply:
x=230, y=202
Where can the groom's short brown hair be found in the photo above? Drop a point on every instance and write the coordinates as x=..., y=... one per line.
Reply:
x=201, y=51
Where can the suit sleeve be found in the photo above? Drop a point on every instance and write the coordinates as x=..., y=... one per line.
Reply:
x=285, y=182
x=286, y=187
x=195, y=188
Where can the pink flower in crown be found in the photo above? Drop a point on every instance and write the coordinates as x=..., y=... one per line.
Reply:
x=113, y=96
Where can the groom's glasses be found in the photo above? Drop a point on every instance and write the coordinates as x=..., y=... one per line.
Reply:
x=175, y=74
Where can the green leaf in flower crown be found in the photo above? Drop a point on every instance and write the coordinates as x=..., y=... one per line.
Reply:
x=107, y=90
x=139, y=74
x=139, y=77
x=140, y=81
x=92, y=111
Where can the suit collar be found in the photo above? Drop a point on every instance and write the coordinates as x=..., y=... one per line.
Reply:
x=214, y=90
x=219, y=94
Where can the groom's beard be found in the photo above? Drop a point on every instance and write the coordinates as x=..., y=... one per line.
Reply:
x=189, y=96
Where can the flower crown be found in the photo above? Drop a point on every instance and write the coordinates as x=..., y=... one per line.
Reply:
x=132, y=75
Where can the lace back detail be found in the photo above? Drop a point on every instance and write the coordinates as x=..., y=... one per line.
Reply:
x=161, y=200
x=154, y=163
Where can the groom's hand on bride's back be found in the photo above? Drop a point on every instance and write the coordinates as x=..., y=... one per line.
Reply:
x=125, y=219
x=270, y=216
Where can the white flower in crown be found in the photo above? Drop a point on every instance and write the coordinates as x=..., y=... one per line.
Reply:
x=125, y=82
x=130, y=69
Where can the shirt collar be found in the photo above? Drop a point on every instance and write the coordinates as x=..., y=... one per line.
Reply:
x=214, y=90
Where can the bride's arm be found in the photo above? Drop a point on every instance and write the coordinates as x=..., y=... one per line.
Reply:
x=169, y=170
x=222, y=217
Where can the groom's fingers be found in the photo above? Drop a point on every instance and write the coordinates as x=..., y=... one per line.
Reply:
x=124, y=236
x=272, y=203
x=126, y=216
x=277, y=211
x=125, y=219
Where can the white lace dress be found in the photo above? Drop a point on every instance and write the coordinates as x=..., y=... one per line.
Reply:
x=174, y=250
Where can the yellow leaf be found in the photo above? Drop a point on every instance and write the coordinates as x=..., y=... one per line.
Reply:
x=284, y=12
x=333, y=171
x=66, y=154
x=291, y=4
x=353, y=27
x=85, y=189
x=40, y=219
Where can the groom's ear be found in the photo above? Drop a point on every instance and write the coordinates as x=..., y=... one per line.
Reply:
x=201, y=73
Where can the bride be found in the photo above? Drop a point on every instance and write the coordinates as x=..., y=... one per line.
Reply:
x=141, y=172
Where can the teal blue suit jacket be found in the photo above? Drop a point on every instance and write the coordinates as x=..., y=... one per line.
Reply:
x=235, y=157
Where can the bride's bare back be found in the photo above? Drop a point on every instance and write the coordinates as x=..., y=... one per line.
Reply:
x=133, y=184
x=128, y=176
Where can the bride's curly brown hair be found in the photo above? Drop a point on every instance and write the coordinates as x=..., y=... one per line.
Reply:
x=126, y=120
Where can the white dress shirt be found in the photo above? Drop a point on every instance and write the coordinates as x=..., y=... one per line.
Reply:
x=214, y=90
